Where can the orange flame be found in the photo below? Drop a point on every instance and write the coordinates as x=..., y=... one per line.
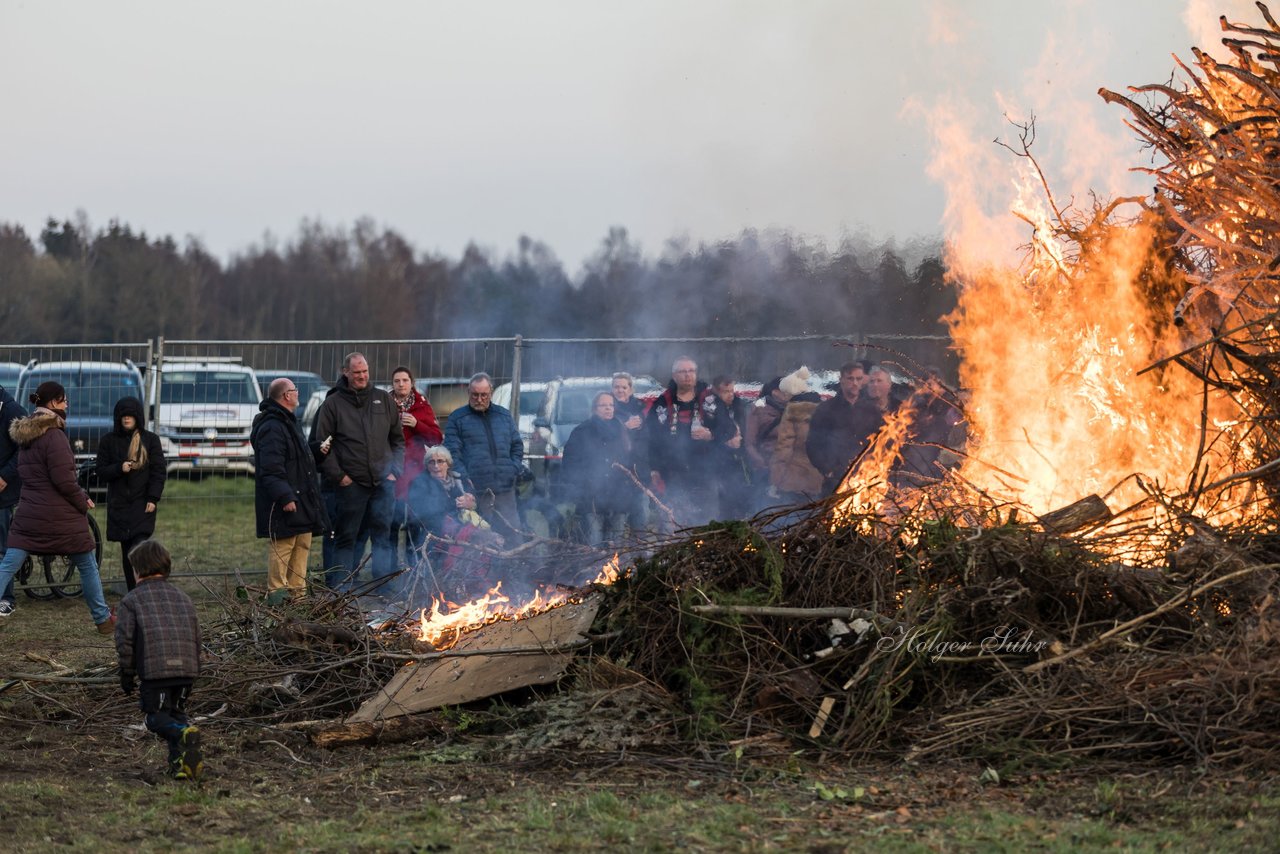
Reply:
x=444, y=624
x=1054, y=354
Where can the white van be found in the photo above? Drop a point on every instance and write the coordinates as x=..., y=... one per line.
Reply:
x=206, y=408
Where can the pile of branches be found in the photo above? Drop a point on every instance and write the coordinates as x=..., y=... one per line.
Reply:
x=931, y=639
x=1216, y=139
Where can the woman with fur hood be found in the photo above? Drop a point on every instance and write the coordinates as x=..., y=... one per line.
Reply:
x=52, y=509
x=792, y=476
x=131, y=463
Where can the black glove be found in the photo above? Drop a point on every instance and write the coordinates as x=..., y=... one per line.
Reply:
x=127, y=682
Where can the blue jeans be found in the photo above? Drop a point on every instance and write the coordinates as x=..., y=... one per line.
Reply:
x=357, y=505
x=85, y=564
x=6, y=519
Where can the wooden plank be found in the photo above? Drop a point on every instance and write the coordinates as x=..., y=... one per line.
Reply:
x=420, y=686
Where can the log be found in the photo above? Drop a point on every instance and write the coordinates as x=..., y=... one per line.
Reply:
x=383, y=731
x=1081, y=514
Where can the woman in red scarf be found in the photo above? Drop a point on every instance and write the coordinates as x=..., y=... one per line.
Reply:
x=420, y=432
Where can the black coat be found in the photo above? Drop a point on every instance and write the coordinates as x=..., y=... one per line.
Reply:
x=285, y=471
x=9, y=410
x=591, y=481
x=129, y=492
x=431, y=503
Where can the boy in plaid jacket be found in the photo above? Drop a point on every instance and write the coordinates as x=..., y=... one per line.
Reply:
x=158, y=641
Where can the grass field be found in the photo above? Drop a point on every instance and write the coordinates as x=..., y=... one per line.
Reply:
x=72, y=777
x=208, y=526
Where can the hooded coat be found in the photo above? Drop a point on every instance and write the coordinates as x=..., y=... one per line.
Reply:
x=52, y=514
x=790, y=469
x=9, y=410
x=284, y=472
x=129, y=492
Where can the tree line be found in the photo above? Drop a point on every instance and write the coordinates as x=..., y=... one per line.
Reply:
x=76, y=284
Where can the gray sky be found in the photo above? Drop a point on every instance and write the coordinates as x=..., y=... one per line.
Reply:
x=452, y=121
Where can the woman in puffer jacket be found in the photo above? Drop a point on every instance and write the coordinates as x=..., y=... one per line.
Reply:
x=51, y=517
x=131, y=463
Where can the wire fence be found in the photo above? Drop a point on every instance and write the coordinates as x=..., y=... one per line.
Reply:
x=201, y=396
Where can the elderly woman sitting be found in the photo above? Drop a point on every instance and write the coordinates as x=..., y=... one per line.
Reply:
x=442, y=505
x=439, y=499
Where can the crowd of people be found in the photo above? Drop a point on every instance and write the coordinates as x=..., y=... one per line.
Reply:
x=377, y=466
x=696, y=452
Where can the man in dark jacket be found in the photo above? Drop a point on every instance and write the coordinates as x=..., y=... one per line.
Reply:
x=365, y=457
x=875, y=401
x=286, y=494
x=683, y=425
x=10, y=484
x=835, y=438
x=488, y=452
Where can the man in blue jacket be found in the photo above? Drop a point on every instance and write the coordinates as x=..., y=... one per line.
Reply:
x=9, y=483
x=487, y=450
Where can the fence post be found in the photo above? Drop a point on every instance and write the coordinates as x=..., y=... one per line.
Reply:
x=146, y=381
x=515, y=379
x=157, y=377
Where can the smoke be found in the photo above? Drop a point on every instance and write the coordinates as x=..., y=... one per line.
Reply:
x=1201, y=18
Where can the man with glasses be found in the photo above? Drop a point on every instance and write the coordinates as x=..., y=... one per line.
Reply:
x=487, y=450
x=286, y=493
x=358, y=430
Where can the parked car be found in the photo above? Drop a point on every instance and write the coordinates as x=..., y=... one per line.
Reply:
x=308, y=383
x=311, y=409
x=206, y=408
x=92, y=389
x=9, y=373
x=445, y=394
x=531, y=397
x=566, y=403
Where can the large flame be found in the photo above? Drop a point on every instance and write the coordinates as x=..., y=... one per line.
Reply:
x=1057, y=353
x=444, y=623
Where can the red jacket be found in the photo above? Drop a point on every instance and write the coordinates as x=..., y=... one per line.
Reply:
x=417, y=439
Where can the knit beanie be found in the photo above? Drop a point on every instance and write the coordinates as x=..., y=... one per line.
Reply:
x=795, y=382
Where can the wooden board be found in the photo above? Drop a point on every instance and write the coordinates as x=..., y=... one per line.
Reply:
x=420, y=686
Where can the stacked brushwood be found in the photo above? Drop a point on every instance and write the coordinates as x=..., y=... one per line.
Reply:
x=1216, y=143
x=1001, y=641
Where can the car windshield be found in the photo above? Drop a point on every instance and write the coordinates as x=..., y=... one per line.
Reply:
x=91, y=394
x=531, y=401
x=574, y=405
x=207, y=387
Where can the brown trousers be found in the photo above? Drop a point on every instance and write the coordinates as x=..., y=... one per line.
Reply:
x=287, y=563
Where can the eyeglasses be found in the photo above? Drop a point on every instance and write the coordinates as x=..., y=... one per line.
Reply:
x=437, y=462
x=291, y=391
x=481, y=395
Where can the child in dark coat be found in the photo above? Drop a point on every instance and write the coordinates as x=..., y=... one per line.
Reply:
x=158, y=641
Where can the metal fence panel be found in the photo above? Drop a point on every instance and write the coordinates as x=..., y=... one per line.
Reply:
x=207, y=518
